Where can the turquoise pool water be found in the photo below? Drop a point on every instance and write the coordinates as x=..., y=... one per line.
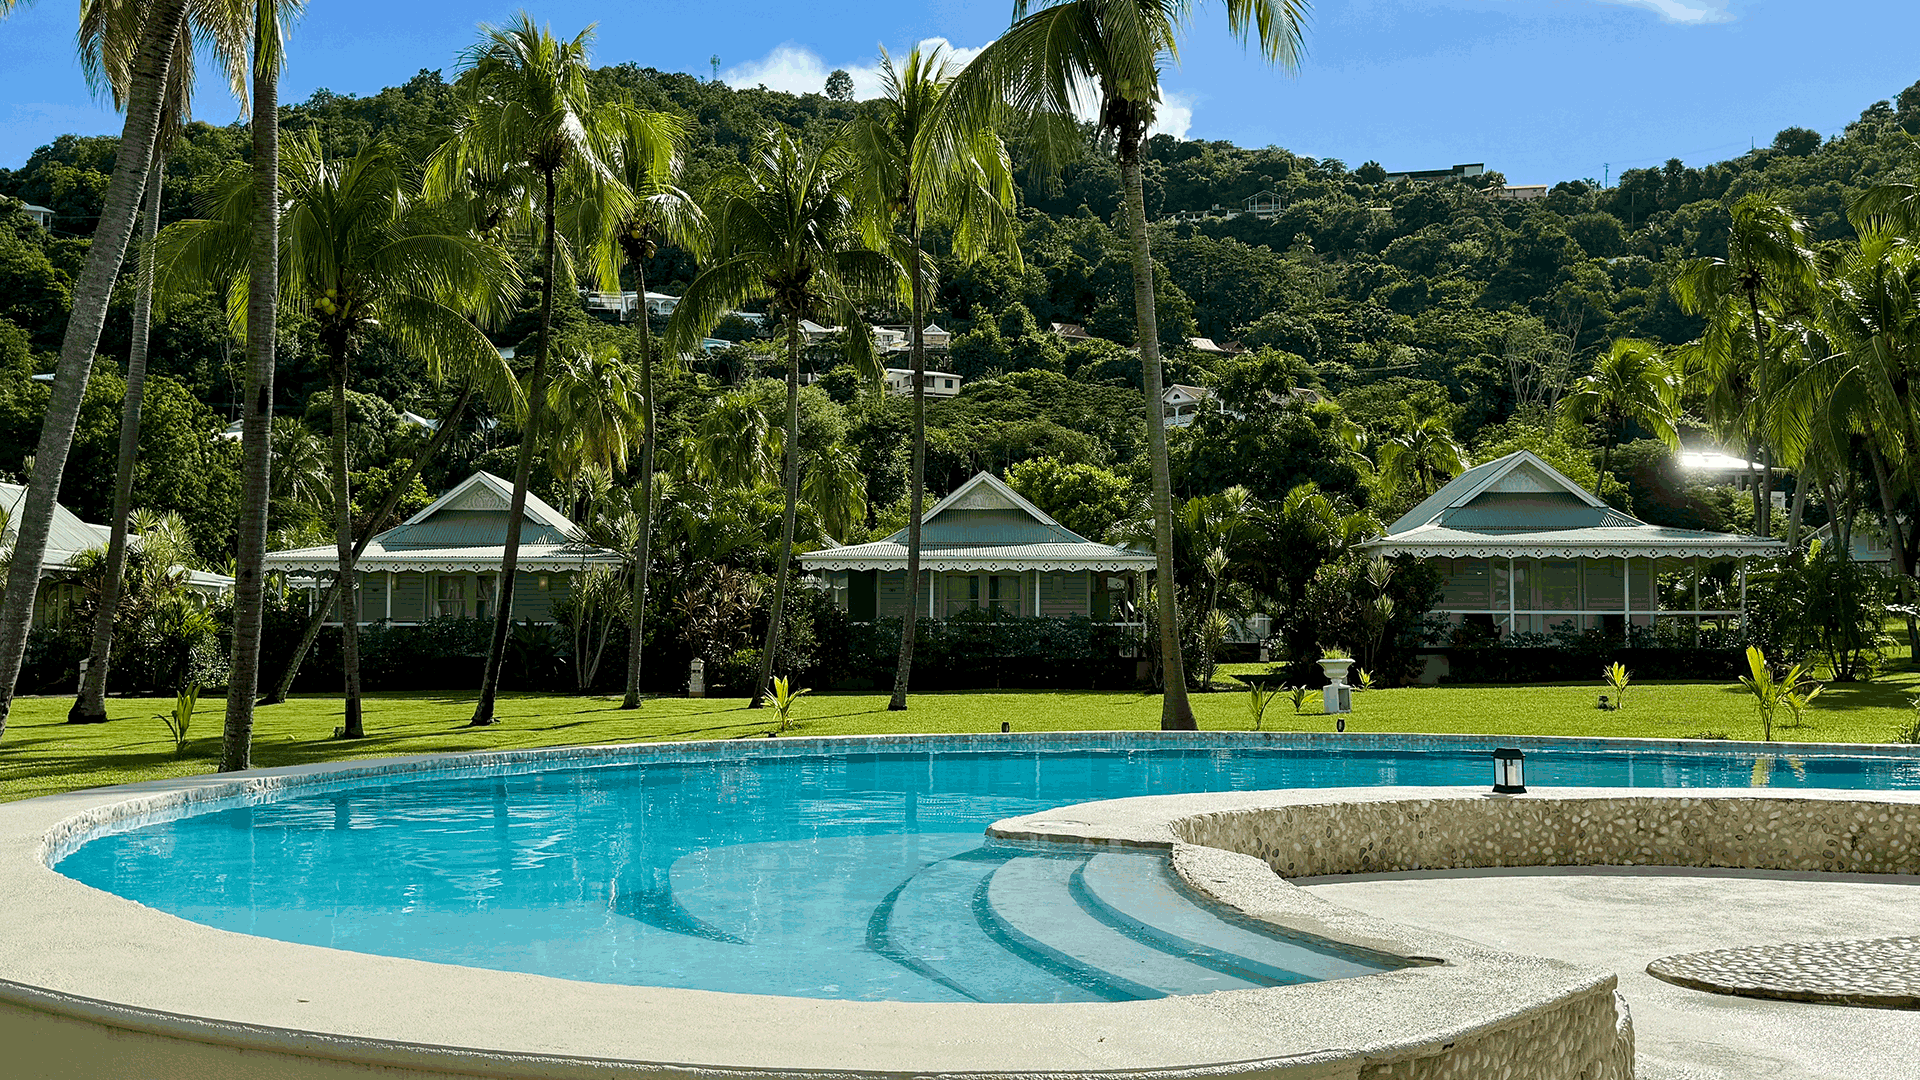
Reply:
x=828, y=872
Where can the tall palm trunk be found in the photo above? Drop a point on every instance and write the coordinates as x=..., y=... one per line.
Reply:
x=522, y=476
x=256, y=418
x=1176, y=714
x=642, y=544
x=1763, y=521
x=1902, y=568
x=91, y=706
x=160, y=29
x=343, y=542
x=778, y=614
x=916, y=493
x=318, y=618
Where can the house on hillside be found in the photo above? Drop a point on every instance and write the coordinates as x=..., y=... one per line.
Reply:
x=1182, y=404
x=939, y=384
x=41, y=215
x=1263, y=204
x=1523, y=549
x=1068, y=332
x=983, y=547
x=444, y=562
x=67, y=539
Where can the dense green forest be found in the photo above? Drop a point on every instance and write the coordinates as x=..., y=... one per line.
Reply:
x=1439, y=323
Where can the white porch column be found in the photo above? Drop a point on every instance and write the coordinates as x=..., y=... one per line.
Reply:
x=933, y=582
x=1512, y=627
x=1743, y=598
x=389, y=596
x=1626, y=595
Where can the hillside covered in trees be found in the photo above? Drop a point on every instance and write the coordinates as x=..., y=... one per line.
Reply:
x=1437, y=323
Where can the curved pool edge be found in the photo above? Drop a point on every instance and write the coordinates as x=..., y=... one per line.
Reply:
x=145, y=994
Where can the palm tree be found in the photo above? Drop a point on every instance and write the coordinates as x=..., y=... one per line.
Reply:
x=647, y=158
x=1862, y=382
x=151, y=50
x=1045, y=65
x=1423, y=458
x=363, y=257
x=921, y=179
x=107, y=33
x=256, y=415
x=1769, y=266
x=1630, y=381
x=788, y=229
x=735, y=444
x=595, y=404
x=531, y=123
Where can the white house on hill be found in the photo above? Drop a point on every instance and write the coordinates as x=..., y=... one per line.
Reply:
x=939, y=384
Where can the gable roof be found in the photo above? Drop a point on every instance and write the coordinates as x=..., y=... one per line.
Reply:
x=1519, y=505
x=484, y=492
x=465, y=529
x=1520, y=471
x=68, y=536
x=983, y=525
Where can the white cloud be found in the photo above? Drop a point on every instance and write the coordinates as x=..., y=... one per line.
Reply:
x=797, y=69
x=1692, y=12
x=1174, y=116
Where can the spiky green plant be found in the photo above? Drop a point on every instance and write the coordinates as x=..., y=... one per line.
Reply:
x=782, y=695
x=1257, y=701
x=1617, y=677
x=180, y=720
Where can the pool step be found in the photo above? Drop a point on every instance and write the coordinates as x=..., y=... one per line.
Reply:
x=927, y=925
x=1140, y=896
x=1033, y=904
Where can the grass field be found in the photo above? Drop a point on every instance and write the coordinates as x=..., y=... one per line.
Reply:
x=40, y=754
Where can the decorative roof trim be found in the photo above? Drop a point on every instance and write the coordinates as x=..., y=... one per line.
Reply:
x=825, y=560
x=1658, y=549
x=323, y=560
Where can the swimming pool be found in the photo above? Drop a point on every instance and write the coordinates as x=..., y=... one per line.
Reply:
x=819, y=868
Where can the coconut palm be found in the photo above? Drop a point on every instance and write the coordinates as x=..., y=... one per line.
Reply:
x=647, y=155
x=735, y=444
x=256, y=410
x=1770, y=267
x=108, y=32
x=363, y=257
x=1107, y=54
x=531, y=125
x=788, y=228
x=921, y=179
x=597, y=410
x=1862, y=382
x=147, y=37
x=1424, y=457
x=1630, y=381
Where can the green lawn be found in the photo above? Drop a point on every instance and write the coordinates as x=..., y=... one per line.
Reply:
x=40, y=754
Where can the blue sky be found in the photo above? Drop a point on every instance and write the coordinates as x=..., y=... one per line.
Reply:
x=1543, y=90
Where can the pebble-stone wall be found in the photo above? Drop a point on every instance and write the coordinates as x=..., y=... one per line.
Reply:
x=1761, y=833
x=1571, y=1042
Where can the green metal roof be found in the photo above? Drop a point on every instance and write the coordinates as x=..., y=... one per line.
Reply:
x=984, y=525
x=1519, y=505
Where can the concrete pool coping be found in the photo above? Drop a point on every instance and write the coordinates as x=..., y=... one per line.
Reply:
x=85, y=970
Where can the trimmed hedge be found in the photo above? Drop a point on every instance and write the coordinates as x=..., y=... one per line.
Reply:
x=1548, y=664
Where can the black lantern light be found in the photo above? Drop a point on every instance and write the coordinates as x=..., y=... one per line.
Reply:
x=1509, y=776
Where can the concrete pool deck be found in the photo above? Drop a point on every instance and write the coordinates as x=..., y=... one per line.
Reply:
x=95, y=985
x=1621, y=918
